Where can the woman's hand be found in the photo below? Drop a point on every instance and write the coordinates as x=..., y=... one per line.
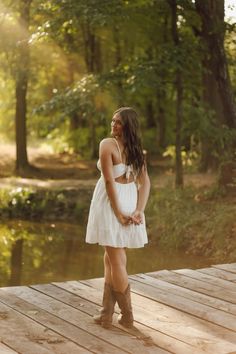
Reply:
x=137, y=217
x=124, y=219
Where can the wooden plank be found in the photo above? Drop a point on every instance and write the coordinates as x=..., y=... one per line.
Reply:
x=183, y=311
x=209, y=279
x=228, y=267
x=204, y=340
x=67, y=330
x=187, y=306
x=26, y=336
x=189, y=294
x=196, y=285
x=219, y=273
x=208, y=313
x=153, y=327
x=143, y=340
x=6, y=350
x=188, y=329
x=117, y=337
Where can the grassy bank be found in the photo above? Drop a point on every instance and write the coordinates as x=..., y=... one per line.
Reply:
x=198, y=221
x=41, y=204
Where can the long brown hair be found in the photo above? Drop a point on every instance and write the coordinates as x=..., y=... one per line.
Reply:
x=131, y=137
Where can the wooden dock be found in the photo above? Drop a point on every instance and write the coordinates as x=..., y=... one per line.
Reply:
x=183, y=311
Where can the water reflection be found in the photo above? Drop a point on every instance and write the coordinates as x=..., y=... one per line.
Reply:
x=33, y=253
x=16, y=262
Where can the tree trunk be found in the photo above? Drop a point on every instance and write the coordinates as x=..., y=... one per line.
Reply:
x=22, y=70
x=118, y=60
x=75, y=119
x=212, y=101
x=161, y=91
x=213, y=30
x=151, y=121
x=161, y=98
x=179, y=181
x=179, y=101
x=93, y=64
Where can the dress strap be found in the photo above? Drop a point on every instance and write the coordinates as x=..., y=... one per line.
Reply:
x=118, y=147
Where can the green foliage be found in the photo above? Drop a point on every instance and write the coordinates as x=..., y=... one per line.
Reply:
x=48, y=205
x=221, y=139
x=79, y=140
x=189, y=158
x=150, y=141
x=76, y=99
x=88, y=57
x=201, y=222
x=173, y=210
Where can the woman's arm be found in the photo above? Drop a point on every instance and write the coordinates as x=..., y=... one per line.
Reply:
x=143, y=194
x=144, y=189
x=105, y=155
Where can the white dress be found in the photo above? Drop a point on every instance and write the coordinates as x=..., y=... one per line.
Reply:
x=103, y=226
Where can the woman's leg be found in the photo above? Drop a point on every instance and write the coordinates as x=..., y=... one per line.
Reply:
x=116, y=259
x=121, y=288
x=107, y=269
x=108, y=301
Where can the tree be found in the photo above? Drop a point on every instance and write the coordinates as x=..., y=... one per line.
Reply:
x=90, y=57
x=179, y=99
x=82, y=22
x=217, y=89
x=213, y=33
x=15, y=55
x=22, y=72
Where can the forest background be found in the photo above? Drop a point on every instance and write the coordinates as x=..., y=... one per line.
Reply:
x=65, y=66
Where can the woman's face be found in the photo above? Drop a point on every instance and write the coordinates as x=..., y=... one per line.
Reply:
x=116, y=125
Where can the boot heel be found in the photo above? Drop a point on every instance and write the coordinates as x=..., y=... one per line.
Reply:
x=124, y=302
x=99, y=319
x=126, y=323
x=106, y=313
x=106, y=325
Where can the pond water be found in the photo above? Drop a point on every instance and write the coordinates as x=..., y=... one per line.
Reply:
x=34, y=253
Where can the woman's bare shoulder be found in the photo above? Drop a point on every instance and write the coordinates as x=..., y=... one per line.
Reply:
x=107, y=142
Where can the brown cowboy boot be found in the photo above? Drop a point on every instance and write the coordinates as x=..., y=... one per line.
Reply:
x=106, y=313
x=124, y=302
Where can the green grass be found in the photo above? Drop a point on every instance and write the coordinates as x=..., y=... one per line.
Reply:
x=38, y=204
x=198, y=221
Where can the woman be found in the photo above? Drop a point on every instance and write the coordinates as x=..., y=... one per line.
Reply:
x=116, y=217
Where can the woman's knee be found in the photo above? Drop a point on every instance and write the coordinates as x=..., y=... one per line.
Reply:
x=116, y=257
x=106, y=259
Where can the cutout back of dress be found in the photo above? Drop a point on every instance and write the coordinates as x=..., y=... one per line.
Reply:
x=119, y=169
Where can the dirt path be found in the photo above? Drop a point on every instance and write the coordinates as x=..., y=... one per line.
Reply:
x=66, y=171
x=49, y=165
